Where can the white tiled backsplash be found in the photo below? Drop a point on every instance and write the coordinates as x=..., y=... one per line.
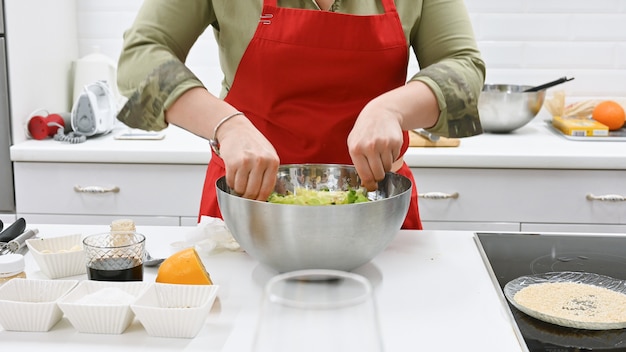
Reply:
x=522, y=41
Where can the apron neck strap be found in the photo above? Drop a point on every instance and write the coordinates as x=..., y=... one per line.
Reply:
x=388, y=5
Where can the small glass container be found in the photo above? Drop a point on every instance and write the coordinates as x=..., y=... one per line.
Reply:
x=11, y=267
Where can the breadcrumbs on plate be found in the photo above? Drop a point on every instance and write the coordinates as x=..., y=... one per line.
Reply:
x=574, y=301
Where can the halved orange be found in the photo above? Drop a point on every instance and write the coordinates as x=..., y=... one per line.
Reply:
x=184, y=267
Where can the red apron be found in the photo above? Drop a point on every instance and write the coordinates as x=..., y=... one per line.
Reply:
x=305, y=77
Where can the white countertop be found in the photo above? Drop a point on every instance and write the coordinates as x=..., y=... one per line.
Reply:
x=432, y=289
x=535, y=145
x=177, y=147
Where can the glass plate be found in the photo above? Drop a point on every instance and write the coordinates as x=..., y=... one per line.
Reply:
x=514, y=286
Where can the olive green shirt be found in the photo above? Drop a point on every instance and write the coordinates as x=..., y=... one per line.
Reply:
x=152, y=74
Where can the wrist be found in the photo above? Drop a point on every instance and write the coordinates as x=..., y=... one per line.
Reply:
x=215, y=145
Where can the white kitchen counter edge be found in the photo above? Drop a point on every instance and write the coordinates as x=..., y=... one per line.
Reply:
x=534, y=146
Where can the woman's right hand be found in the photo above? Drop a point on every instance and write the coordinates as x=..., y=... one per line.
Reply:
x=250, y=159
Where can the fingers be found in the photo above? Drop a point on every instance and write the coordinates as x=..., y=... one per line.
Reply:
x=372, y=167
x=373, y=158
x=250, y=160
x=253, y=179
x=368, y=180
x=374, y=143
x=268, y=183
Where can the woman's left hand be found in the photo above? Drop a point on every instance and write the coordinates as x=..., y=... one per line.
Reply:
x=375, y=143
x=376, y=139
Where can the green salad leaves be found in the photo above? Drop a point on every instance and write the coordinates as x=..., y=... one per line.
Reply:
x=303, y=196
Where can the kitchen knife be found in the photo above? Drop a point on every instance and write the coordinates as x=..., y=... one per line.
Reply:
x=14, y=230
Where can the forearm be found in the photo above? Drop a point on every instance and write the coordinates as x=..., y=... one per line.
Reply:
x=198, y=111
x=414, y=104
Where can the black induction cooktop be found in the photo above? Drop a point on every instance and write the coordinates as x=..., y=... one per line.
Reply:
x=511, y=255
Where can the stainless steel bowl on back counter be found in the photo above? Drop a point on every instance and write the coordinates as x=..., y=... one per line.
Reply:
x=504, y=108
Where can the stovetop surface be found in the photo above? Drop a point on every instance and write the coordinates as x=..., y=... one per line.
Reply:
x=511, y=255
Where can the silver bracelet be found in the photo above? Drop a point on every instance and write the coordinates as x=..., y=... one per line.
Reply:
x=215, y=144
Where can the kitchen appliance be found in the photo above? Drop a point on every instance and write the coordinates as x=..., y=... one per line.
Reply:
x=7, y=196
x=94, y=112
x=92, y=68
x=42, y=124
x=511, y=255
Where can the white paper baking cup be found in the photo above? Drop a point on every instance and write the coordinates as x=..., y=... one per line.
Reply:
x=168, y=310
x=102, y=307
x=31, y=305
x=57, y=257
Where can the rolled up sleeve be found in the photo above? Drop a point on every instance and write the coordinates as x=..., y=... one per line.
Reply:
x=450, y=64
x=151, y=71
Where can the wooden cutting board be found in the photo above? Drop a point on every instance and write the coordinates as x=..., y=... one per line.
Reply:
x=417, y=140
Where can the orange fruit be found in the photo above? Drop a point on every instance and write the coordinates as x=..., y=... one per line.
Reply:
x=609, y=113
x=183, y=267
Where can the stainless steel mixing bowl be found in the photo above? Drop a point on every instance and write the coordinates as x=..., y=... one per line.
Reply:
x=504, y=108
x=289, y=237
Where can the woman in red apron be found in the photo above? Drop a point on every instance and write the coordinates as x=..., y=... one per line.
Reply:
x=308, y=114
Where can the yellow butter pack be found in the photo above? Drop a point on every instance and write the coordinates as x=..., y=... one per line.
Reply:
x=580, y=127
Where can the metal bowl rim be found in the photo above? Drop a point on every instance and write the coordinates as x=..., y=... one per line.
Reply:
x=409, y=189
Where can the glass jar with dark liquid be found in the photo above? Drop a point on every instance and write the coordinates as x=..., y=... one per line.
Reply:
x=115, y=256
x=108, y=269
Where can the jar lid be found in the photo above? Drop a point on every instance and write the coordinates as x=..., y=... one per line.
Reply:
x=11, y=264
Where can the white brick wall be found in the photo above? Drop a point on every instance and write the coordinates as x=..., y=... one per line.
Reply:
x=533, y=41
x=522, y=41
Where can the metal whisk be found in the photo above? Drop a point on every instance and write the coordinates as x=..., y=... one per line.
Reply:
x=18, y=243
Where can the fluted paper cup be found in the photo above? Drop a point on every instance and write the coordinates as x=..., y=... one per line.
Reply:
x=58, y=257
x=168, y=310
x=101, y=307
x=31, y=305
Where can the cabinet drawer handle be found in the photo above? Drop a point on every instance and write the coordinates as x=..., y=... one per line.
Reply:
x=96, y=189
x=607, y=198
x=438, y=195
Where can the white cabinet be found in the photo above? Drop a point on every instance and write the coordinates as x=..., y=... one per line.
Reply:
x=96, y=193
x=475, y=199
x=533, y=181
x=532, y=199
x=7, y=219
x=453, y=225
